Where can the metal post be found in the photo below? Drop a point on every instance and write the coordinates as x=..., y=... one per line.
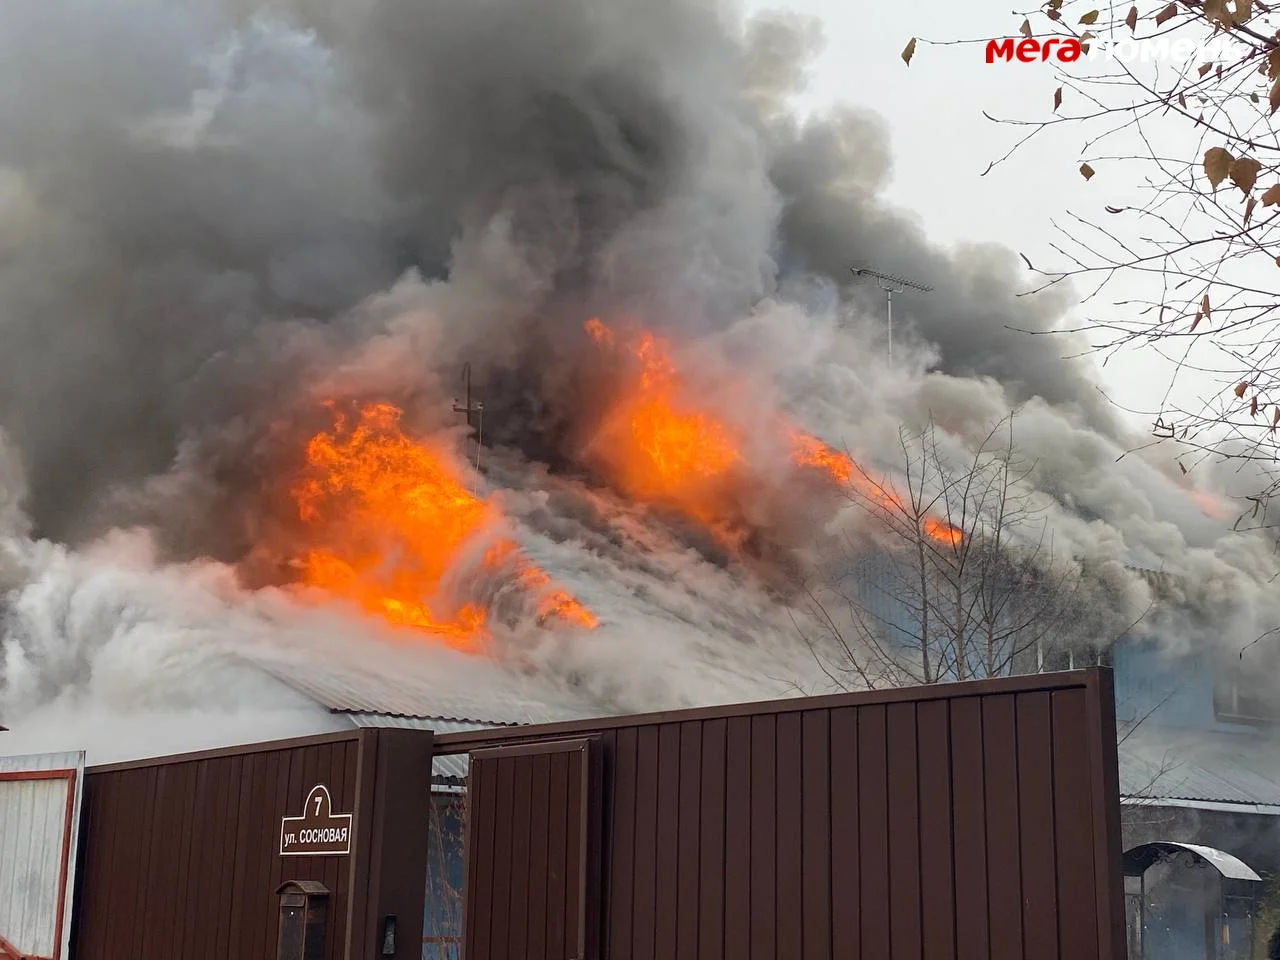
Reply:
x=890, y=283
x=888, y=296
x=466, y=375
x=476, y=407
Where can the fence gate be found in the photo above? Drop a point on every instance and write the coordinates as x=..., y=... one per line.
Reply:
x=39, y=824
x=533, y=849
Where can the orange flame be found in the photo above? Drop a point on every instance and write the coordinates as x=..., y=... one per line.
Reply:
x=1210, y=504
x=661, y=446
x=553, y=603
x=393, y=519
x=809, y=451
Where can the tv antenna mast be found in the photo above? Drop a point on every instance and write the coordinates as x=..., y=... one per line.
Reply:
x=890, y=283
x=473, y=408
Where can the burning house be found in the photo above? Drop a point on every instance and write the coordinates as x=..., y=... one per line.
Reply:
x=248, y=249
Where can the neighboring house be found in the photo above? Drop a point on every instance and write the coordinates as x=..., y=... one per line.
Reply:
x=1200, y=797
x=1199, y=751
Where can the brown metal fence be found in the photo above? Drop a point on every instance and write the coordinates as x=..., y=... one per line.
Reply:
x=960, y=822
x=530, y=872
x=182, y=855
x=965, y=822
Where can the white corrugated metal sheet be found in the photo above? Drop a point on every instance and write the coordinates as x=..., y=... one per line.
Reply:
x=39, y=826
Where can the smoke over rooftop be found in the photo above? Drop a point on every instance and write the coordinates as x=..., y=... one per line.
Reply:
x=217, y=215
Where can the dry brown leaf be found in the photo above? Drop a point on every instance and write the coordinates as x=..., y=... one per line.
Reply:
x=1182, y=101
x=1131, y=21
x=1241, y=388
x=1274, y=96
x=1025, y=29
x=1273, y=64
x=1086, y=171
x=1244, y=11
x=1248, y=209
x=1216, y=11
x=1090, y=18
x=1217, y=164
x=1244, y=173
x=1167, y=13
x=1196, y=322
x=1205, y=68
x=1204, y=306
x=1057, y=99
x=1253, y=406
x=909, y=52
x=1053, y=14
x=1271, y=196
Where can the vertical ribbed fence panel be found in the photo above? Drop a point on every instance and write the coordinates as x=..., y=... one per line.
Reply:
x=532, y=852
x=973, y=821
x=183, y=856
x=39, y=823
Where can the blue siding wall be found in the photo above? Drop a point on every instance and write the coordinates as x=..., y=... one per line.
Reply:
x=1168, y=690
x=887, y=595
x=1150, y=683
x=1176, y=692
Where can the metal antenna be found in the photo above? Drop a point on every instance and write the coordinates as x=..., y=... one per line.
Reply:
x=466, y=376
x=476, y=407
x=890, y=283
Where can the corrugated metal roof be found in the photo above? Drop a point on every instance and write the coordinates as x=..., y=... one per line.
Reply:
x=498, y=698
x=436, y=724
x=1161, y=762
x=37, y=817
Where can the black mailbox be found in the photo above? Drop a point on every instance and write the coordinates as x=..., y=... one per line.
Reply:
x=303, y=907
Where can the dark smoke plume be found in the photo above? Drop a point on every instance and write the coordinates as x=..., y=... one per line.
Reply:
x=194, y=195
x=215, y=214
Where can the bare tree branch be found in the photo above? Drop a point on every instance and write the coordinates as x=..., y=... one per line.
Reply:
x=956, y=576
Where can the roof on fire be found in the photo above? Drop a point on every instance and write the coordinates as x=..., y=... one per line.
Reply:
x=1197, y=768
